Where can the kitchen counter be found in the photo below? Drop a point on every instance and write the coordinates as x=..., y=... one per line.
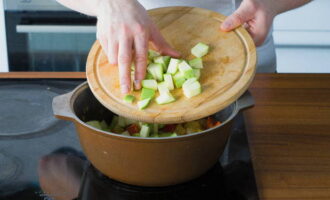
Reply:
x=288, y=132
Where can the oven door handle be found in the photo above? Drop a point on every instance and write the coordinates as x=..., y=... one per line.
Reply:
x=55, y=29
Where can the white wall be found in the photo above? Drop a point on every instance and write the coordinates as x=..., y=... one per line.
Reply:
x=3, y=46
x=302, y=39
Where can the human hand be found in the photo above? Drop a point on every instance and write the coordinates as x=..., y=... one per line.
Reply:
x=124, y=28
x=256, y=16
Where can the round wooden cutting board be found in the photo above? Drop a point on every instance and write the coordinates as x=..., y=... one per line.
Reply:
x=229, y=67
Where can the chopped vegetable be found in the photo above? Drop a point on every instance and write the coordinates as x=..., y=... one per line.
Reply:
x=126, y=133
x=169, y=81
x=180, y=130
x=151, y=84
x=186, y=70
x=152, y=54
x=167, y=135
x=163, y=60
x=95, y=124
x=165, y=74
x=104, y=125
x=197, y=73
x=133, y=128
x=141, y=129
x=136, y=135
x=145, y=131
x=129, y=98
x=173, y=66
x=162, y=88
x=168, y=128
x=149, y=76
x=178, y=79
x=147, y=93
x=191, y=88
x=121, y=121
x=155, y=129
x=196, y=63
x=143, y=103
x=156, y=70
x=200, y=50
x=114, y=122
x=165, y=98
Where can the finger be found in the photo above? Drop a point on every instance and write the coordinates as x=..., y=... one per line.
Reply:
x=113, y=52
x=124, y=61
x=104, y=44
x=161, y=44
x=259, y=29
x=239, y=17
x=141, y=54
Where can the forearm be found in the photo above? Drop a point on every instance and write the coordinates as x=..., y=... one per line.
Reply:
x=87, y=7
x=90, y=7
x=285, y=5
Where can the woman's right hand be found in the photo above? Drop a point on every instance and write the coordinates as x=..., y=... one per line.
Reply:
x=124, y=27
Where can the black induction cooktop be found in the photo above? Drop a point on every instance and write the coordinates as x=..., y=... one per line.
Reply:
x=41, y=158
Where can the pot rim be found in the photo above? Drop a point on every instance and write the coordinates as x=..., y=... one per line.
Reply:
x=83, y=86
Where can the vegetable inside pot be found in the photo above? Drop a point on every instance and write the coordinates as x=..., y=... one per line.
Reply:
x=129, y=127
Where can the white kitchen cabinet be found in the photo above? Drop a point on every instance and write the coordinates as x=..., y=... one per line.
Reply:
x=302, y=39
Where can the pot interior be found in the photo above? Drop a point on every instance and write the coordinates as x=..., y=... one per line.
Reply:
x=87, y=107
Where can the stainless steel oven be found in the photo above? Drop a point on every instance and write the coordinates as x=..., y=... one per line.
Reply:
x=42, y=35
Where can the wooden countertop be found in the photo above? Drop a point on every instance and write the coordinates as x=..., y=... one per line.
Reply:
x=288, y=131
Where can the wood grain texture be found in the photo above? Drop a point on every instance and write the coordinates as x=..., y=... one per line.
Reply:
x=229, y=67
x=289, y=136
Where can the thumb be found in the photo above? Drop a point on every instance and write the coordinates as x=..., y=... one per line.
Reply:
x=239, y=17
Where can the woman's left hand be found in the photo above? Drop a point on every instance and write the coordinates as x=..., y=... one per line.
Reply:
x=256, y=16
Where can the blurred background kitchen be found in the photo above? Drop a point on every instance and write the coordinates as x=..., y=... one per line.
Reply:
x=41, y=35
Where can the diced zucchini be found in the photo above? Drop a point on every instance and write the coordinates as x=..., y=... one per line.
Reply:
x=126, y=133
x=155, y=129
x=200, y=50
x=147, y=93
x=191, y=88
x=173, y=66
x=145, y=131
x=152, y=54
x=95, y=124
x=165, y=98
x=104, y=125
x=136, y=135
x=151, y=84
x=178, y=79
x=169, y=81
x=149, y=76
x=167, y=135
x=196, y=63
x=143, y=103
x=129, y=98
x=186, y=70
x=163, y=60
x=190, y=81
x=162, y=88
x=114, y=122
x=118, y=129
x=121, y=121
x=197, y=73
x=156, y=70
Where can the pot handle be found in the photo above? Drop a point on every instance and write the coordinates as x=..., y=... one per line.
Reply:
x=61, y=107
x=245, y=101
